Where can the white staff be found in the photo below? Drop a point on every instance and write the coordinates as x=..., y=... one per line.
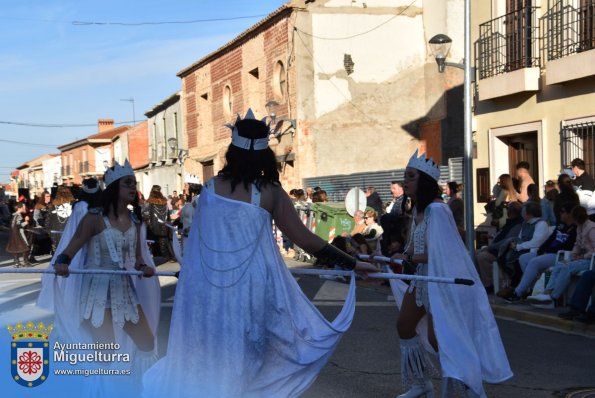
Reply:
x=295, y=271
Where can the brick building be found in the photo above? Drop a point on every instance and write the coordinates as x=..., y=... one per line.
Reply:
x=341, y=97
x=91, y=155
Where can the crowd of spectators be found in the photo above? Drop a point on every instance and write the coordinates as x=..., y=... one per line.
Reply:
x=529, y=243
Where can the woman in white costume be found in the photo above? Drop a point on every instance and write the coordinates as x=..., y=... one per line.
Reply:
x=461, y=328
x=111, y=308
x=241, y=326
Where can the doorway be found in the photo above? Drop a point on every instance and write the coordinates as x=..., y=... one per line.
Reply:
x=523, y=147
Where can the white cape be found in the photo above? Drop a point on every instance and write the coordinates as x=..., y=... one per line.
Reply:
x=470, y=347
x=241, y=326
x=62, y=295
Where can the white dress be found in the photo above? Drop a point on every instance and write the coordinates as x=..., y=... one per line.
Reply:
x=110, y=291
x=470, y=348
x=241, y=326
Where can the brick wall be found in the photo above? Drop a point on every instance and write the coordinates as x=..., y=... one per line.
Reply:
x=203, y=92
x=138, y=145
x=226, y=71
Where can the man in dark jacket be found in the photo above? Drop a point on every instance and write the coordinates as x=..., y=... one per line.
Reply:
x=373, y=200
x=583, y=180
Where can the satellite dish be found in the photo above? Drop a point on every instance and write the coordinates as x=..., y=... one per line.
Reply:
x=355, y=200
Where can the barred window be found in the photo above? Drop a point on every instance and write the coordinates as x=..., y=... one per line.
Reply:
x=578, y=141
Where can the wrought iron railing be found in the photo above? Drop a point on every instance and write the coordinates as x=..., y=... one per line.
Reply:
x=569, y=28
x=508, y=43
x=578, y=141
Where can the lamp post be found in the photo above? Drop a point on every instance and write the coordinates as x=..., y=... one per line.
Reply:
x=440, y=45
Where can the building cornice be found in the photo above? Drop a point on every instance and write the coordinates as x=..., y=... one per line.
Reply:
x=246, y=35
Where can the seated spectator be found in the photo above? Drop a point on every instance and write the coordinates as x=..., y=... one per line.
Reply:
x=534, y=231
x=566, y=195
x=551, y=192
x=534, y=264
x=580, y=299
x=507, y=194
x=361, y=246
x=487, y=255
x=547, y=211
x=359, y=226
x=394, y=232
x=581, y=259
x=373, y=230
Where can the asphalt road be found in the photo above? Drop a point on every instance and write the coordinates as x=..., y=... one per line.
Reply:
x=546, y=363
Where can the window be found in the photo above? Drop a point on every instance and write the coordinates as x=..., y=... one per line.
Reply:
x=227, y=101
x=208, y=170
x=578, y=141
x=279, y=80
x=254, y=73
x=483, y=184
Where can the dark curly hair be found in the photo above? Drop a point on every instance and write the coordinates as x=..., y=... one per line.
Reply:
x=427, y=191
x=247, y=166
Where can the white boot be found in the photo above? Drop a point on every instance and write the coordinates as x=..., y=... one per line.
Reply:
x=416, y=368
x=422, y=387
x=456, y=388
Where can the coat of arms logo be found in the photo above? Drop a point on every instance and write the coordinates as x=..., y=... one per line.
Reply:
x=30, y=353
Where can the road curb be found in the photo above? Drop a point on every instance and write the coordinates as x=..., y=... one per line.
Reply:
x=530, y=315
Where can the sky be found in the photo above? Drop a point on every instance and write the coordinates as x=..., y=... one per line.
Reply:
x=56, y=70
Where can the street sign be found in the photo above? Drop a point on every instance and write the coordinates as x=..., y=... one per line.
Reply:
x=355, y=200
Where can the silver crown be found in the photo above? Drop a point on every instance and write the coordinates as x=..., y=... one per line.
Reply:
x=118, y=172
x=243, y=142
x=428, y=166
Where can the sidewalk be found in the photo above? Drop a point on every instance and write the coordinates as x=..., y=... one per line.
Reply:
x=547, y=318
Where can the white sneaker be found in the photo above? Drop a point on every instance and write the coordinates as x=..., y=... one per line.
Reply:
x=540, y=299
x=422, y=388
x=550, y=306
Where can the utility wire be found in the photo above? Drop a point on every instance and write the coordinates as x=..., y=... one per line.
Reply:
x=361, y=33
x=56, y=125
x=27, y=143
x=105, y=23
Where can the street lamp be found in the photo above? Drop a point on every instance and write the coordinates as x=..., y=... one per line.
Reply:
x=271, y=108
x=173, y=144
x=277, y=123
x=440, y=45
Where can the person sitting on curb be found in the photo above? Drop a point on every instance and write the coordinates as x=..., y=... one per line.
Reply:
x=534, y=231
x=487, y=255
x=581, y=260
x=580, y=299
x=534, y=264
x=373, y=230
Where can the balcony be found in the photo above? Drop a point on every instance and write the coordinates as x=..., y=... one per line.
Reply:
x=507, y=54
x=569, y=28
